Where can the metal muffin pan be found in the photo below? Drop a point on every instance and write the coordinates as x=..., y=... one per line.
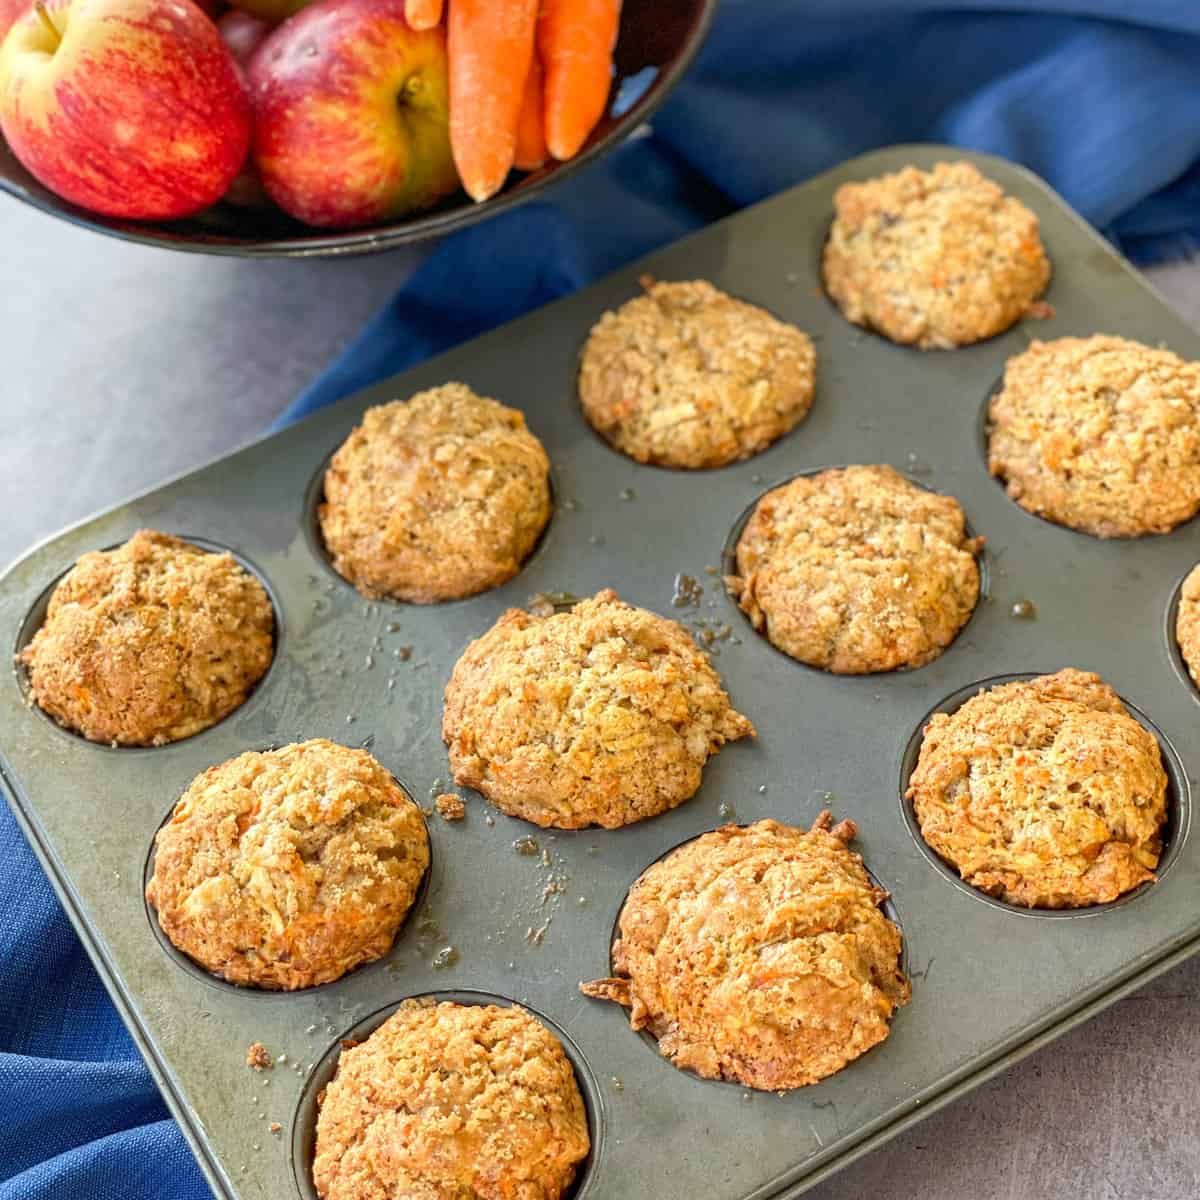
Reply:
x=990, y=983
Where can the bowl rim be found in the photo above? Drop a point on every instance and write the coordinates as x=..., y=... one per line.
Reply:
x=339, y=243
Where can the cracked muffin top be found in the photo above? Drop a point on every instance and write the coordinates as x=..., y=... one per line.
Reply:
x=602, y=715
x=435, y=498
x=1100, y=434
x=288, y=868
x=759, y=954
x=1045, y=793
x=856, y=569
x=687, y=376
x=934, y=259
x=447, y=1101
x=150, y=642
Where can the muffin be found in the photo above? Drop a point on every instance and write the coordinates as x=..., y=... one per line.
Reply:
x=602, y=715
x=934, y=259
x=1100, y=434
x=1045, y=793
x=435, y=498
x=856, y=569
x=759, y=954
x=686, y=376
x=1187, y=623
x=448, y=1101
x=288, y=868
x=150, y=642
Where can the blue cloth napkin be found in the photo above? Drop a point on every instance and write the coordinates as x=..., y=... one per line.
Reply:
x=1098, y=96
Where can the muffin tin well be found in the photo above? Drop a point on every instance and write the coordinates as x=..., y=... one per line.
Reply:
x=412, y=919
x=304, y=1123
x=729, y=564
x=36, y=615
x=888, y=907
x=1174, y=832
x=528, y=927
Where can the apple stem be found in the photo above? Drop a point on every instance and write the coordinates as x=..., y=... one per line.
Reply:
x=48, y=22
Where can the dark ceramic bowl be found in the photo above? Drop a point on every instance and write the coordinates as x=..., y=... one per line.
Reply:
x=658, y=39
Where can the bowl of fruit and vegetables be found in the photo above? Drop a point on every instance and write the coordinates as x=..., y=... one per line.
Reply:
x=289, y=127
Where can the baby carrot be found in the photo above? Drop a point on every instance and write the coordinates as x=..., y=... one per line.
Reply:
x=422, y=14
x=490, y=47
x=575, y=42
x=531, y=131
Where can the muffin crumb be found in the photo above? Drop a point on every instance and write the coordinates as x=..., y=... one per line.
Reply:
x=450, y=807
x=258, y=1057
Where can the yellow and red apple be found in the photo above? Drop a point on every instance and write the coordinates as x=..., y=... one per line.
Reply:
x=130, y=108
x=351, y=111
x=10, y=10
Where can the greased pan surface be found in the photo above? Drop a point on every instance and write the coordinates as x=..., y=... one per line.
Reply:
x=989, y=983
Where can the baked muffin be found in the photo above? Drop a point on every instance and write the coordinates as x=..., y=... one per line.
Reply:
x=856, y=569
x=934, y=259
x=1187, y=623
x=686, y=376
x=288, y=868
x=602, y=715
x=1045, y=793
x=759, y=954
x=150, y=642
x=435, y=498
x=448, y=1101
x=1100, y=434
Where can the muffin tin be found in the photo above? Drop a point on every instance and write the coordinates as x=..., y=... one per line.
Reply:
x=523, y=914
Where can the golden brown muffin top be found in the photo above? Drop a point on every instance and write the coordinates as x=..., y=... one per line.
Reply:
x=288, y=868
x=449, y=1101
x=434, y=498
x=935, y=259
x=1100, y=434
x=150, y=642
x=759, y=954
x=1045, y=793
x=687, y=376
x=856, y=569
x=602, y=715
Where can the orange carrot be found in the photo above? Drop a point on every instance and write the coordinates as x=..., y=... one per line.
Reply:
x=423, y=14
x=575, y=42
x=490, y=47
x=531, y=132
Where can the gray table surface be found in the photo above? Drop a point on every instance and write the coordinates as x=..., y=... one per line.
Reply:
x=123, y=366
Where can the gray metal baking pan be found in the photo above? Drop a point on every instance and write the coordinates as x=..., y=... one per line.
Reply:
x=527, y=920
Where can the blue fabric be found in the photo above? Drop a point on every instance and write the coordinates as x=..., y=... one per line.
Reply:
x=1098, y=96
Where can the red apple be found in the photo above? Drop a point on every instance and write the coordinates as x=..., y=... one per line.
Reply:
x=10, y=10
x=131, y=108
x=351, y=114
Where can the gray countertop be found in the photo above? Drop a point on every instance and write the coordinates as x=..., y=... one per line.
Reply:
x=125, y=365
